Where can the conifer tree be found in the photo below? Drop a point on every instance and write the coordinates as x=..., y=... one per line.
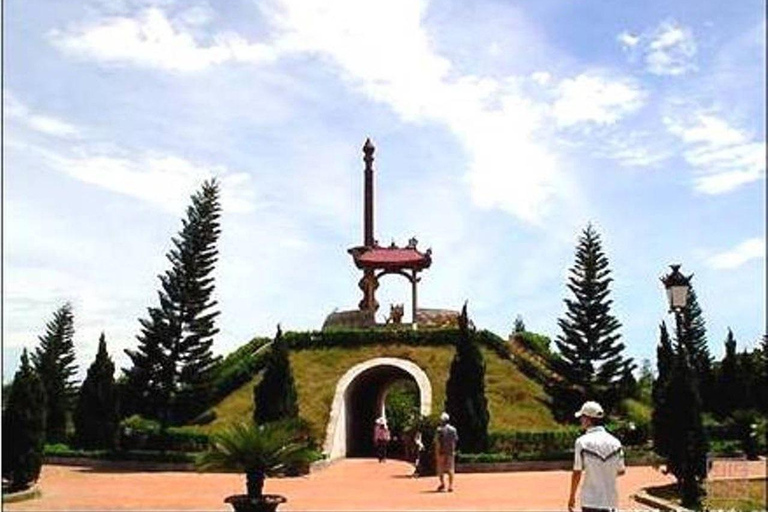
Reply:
x=173, y=367
x=275, y=395
x=465, y=399
x=661, y=416
x=54, y=362
x=591, y=360
x=519, y=325
x=687, y=445
x=96, y=416
x=695, y=339
x=762, y=388
x=24, y=428
x=728, y=381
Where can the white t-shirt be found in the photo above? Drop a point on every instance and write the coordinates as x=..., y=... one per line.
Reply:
x=600, y=456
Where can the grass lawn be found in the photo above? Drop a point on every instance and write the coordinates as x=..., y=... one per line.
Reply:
x=514, y=401
x=733, y=494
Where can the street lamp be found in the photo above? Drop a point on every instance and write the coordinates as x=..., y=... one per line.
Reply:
x=678, y=286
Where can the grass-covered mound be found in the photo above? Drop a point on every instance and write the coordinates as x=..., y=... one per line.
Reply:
x=320, y=359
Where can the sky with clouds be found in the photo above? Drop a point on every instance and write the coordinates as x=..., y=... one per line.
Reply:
x=501, y=128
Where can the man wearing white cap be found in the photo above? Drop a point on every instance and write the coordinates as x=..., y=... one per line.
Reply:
x=446, y=438
x=600, y=457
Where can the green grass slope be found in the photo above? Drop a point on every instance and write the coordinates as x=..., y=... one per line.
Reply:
x=515, y=402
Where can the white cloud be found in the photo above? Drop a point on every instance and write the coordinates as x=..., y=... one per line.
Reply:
x=15, y=109
x=488, y=116
x=591, y=98
x=163, y=180
x=751, y=249
x=628, y=40
x=668, y=49
x=724, y=158
x=153, y=40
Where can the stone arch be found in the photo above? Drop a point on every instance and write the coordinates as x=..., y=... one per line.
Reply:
x=341, y=421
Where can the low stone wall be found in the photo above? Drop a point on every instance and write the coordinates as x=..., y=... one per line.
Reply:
x=27, y=494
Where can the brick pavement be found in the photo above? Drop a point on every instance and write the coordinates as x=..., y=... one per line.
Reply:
x=352, y=484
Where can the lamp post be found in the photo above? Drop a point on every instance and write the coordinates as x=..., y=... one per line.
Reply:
x=678, y=286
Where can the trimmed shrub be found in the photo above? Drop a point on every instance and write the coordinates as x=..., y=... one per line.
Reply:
x=137, y=433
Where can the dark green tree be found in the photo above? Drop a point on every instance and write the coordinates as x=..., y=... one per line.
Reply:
x=519, y=325
x=96, y=415
x=275, y=395
x=465, y=399
x=688, y=445
x=695, y=340
x=645, y=383
x=24, y=428
x=727, y=398
x=661, y=414
x=591, y=361
x=172, y=370
x=762, y=386
x=54, y=362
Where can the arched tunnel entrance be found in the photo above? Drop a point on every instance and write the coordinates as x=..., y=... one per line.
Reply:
x=360, y=398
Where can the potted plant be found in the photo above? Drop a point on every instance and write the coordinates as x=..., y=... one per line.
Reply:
x=260, y=451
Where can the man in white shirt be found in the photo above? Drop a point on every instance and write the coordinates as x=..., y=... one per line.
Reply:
x=600, y=457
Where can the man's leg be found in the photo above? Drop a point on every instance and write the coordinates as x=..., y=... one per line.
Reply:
x=450, y=474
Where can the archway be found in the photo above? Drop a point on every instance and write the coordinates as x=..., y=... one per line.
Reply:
x=359, y=400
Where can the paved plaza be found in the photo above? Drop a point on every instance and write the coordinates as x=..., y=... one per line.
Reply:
x=352, y=484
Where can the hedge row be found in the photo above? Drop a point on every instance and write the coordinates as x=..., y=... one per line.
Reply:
x=62, y=450
x=137, y=433
x=516, y=443
x=239, y=367
x=362, y=337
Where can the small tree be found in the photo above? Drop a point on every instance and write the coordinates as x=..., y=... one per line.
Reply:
x=54, y=362
x=275, y=396
x=661, y=415
x=96, y=417
x=465, y=399
x=728, y=380
x=24, y=428
x=688, y=446
x=519, y=325
x=695, y=340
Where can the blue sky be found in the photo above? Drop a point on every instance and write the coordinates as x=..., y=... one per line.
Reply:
x=502, y=129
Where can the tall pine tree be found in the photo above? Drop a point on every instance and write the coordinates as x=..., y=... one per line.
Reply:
x=465, y=399
x=24, y=427
x=172, y=373
x=591, y=360
x=96, y=415
x=661, y=414
x=695, y=340
x=275, y=395
x=54, y=362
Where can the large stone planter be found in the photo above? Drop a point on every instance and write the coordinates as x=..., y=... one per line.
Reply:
x=265, y=503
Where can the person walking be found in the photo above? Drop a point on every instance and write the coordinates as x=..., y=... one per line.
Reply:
x=446, y=438
x=599, y=456
x=418, y=447
x=381, y=438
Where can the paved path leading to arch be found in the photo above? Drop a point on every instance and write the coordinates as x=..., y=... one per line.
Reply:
x=352, y=484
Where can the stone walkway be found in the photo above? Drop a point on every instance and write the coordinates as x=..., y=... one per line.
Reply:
x=352, y=484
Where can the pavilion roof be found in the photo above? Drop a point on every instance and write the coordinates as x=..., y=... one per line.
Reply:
x=391, y=258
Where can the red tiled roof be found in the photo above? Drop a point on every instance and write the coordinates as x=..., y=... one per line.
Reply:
x=390, y=258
